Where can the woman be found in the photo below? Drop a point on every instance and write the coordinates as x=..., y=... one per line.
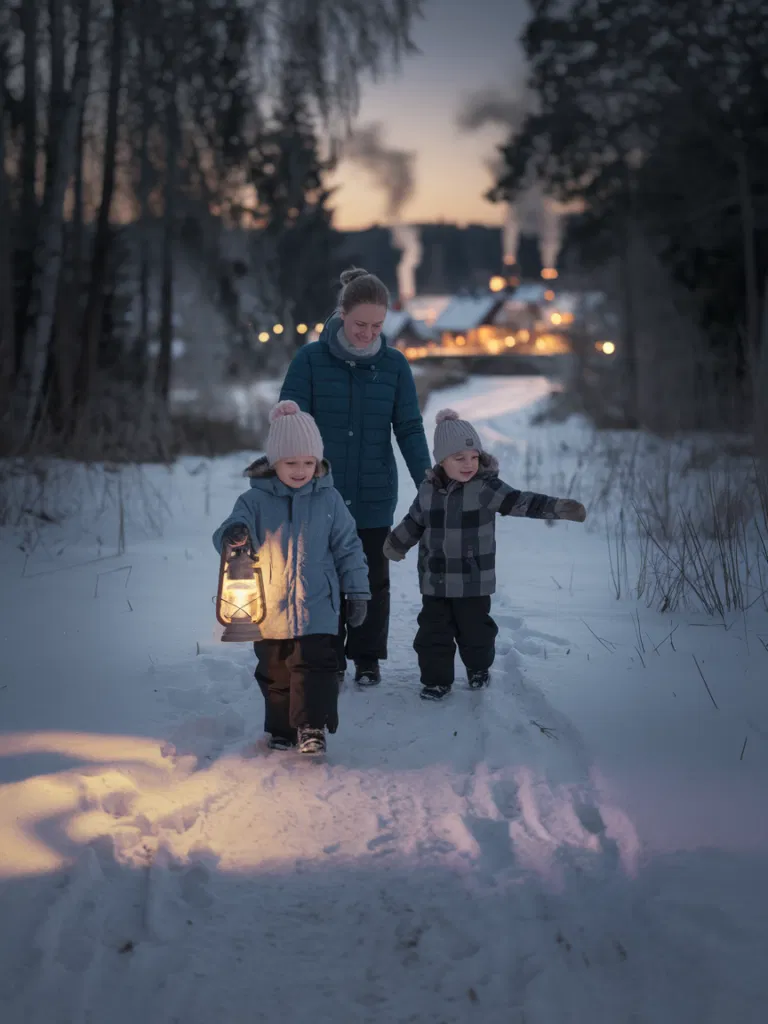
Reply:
x=359, y=390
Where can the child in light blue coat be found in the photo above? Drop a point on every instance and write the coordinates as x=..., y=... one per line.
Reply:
x=309, y=553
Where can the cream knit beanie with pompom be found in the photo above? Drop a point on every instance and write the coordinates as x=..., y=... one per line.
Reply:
x=292, y=434
x=453, y=435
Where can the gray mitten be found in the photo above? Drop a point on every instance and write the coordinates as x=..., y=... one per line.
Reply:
x=236, y=535
x=356, y=609
x=567, y=508
x=391, y=552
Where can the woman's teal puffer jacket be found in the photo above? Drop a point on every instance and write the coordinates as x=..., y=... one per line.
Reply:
x=357, y=403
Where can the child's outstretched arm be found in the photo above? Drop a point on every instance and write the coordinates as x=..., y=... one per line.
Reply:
x=406, y=534
x=242, y=516
x=508, y=501
x=347, y=551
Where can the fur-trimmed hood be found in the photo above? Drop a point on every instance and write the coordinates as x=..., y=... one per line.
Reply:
x=261, y=469
x=489, y=468
x=263, y=477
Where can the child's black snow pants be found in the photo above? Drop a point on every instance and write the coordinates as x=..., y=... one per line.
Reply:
x=298, y=679
x=444, y=623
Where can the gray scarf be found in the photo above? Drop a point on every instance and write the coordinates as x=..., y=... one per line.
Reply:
x=357, y=353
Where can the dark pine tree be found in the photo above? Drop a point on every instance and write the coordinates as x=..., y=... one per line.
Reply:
x=298, y=244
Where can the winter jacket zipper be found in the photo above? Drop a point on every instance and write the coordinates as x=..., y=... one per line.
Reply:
x=356, y=440
x=294, y=567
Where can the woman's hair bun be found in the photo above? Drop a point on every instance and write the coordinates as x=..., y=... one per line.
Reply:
x=352, y=274
x=446, y=414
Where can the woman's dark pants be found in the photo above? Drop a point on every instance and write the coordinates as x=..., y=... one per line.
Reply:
x=368, y=643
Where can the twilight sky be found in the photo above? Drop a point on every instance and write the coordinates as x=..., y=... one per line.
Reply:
x=466, y=46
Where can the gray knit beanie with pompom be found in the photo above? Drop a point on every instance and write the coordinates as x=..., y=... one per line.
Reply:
x=453, y=435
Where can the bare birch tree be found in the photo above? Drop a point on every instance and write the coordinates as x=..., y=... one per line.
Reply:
x=7, y=306
x=100, y=254
x=49, y=253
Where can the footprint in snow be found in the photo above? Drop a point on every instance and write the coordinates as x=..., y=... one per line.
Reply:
x=513, y=622
x=506, y=796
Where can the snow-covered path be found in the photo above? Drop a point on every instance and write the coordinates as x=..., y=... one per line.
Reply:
x=580, y=842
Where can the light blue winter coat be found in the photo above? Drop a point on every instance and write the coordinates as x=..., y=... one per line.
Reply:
x=308, y=550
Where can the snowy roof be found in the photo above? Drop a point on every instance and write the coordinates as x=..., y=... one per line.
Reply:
x=465, y=312
x=422, y=330
x=395, y=323
x=428, y=307
x=529, y=293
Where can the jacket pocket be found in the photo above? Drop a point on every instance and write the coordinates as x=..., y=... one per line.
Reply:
x=334, y=590
x=471, y=563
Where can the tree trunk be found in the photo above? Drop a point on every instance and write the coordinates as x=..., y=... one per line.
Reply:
x=750, y=255
x=56, y=96
x=78, y=206
x=629, y=334
x=24, y=262
x=142, y=353
x=28, y=163
x=51, y=241
x=95, y=307
x=760, y=383
x=163, y=372
x=7, y=304
x=69, y=315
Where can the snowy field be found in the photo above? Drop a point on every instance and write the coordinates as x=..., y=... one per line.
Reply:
x=586, y=842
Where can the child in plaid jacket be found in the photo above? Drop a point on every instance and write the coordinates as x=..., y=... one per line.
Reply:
x=453, y=520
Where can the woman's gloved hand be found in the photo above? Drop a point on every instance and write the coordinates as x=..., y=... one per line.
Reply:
x=236, y=536
x=356, y=610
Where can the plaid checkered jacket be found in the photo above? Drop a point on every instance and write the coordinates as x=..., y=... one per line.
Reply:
x=454, y=525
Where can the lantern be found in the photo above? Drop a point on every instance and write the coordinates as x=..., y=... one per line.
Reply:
x=240, y=602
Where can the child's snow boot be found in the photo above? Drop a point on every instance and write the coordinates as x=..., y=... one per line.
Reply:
x=281, y=743
x=479, y=678
x=311, y=741
x=367, y=673
x=435, y=692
